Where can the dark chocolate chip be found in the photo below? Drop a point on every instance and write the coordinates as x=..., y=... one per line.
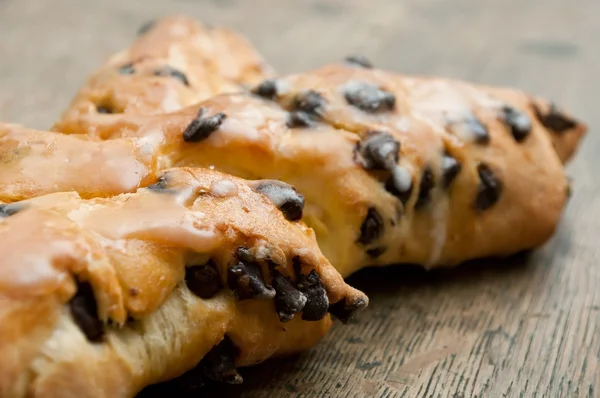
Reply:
x=285, y=197
x=376, y=251
x=359, y=60
x=104, y=109
x=219, y=363
x=478, y=129
x=450, y=169
x=266, y=89
x=246, y=281
x=489, y=190
x=288, y=300
x=519, y=123
x=146, y=27
x=425, y=186
x=369, y=98
x=202, y=127
x=245, y=255
x=554, y=119
x=345, y=311
x=169, y=71
x=317, y=301
x=160, y=185
x=299, y=119
x=9, y=209
x=310, y=102
x=379, y=151
x=400, y=184
x=127, y=69
x=203, y=280
x=84, y=311
x=371, y=228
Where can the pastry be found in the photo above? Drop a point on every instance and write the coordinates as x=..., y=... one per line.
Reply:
x=394, y=169
x=175, y=61
x=102, y=297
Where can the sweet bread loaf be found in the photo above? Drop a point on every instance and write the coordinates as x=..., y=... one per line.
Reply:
x=102, y=297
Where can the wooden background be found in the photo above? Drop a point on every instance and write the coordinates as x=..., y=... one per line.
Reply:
x=524, y=327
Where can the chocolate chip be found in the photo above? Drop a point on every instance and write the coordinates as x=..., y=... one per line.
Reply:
x=519, y=123
x=310, y=102
x=317, y=301
x=359, y=60
x=376, y=252
x=219, y=363
x=371, y=228
x=127, y=69
x=490, y=188
x=369, y=98
x=299, y=119
x=266, y=89
x=285, y=197
x=146, y=27
x=160, y=185
x=425, y=186
x=9, y=209
x=450, y=169
x=245, y=279
x=400, y=184
x=104, y=109
x=202, y=127
x=169, y=71
x=203, y=280
x=84, y=311
x=346, y=311
x=379, y=151
x=554, y=119
x=244, y=254
x=288, y=300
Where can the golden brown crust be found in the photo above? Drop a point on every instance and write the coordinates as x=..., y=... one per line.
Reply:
x=176, y=62
x=132, y=252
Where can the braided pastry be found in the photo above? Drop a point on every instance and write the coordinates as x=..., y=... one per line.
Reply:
x=101, y=297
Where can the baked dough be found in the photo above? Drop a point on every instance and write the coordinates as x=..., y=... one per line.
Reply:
x=102, y=297
x=174, y=62
x=394, y=169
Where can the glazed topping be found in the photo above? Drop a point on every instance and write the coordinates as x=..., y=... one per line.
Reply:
x=345, y=311
x=490, y=188
x=246, y=281
x=317, y=302
x=379, y=151
x=84, y=311
x=203, y=126
x=127, y=69
x=223, y=188
x=299, y=119
x=310, y=102
x=425, y=186
x=266, y=89
x=146, y=27
x=288, y=300
x=359, y=60
x=469, y=129
x=376, y=252
x=554, y=119
x=7, y=210
x=368, y=97
x=400, y=184
x=203, y=280
x=285, y=197
x=450, y=169
x=219, y=363
x=169, y=71
x=517, y=121
x=371, y=228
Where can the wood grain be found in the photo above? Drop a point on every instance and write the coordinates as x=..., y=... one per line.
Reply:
x=528, y=326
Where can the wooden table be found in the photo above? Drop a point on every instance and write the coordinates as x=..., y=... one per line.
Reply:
x=524, y=327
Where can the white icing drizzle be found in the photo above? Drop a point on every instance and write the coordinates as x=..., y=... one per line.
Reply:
x=223, y=188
